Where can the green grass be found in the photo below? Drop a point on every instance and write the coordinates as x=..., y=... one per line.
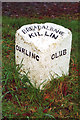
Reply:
x=59, y=99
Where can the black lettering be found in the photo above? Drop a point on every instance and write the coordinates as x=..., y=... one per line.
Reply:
x=56, y=30
x=37, y=57
x=61, y=33
x=30, y=29
x=43, y=27
x=27, y=29
x=46, y=34
x=23, y=50
x=27, y=53
x=55, y=37
x=31, y=35
x=35, y=34
x=51, y=34
x=39, y=34
x=56, y=55
x=52, y=57
x=60, y=53
x=34, y=27
x=24, y=31
x=47, y=28
x=51, y=28
x=39, y=27
x=17, y=48
x=64, y=52
x=33, y=55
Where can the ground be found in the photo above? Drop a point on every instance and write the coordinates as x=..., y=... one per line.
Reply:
x=36, y=9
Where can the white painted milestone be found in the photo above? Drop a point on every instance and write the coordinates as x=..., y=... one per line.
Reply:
x=45, y=50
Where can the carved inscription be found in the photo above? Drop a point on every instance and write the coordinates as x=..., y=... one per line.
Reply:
x=27, y=53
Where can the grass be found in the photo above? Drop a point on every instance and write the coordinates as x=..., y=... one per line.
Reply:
x=59, y=99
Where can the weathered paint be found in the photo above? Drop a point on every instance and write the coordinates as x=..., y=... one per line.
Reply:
x=45, y=50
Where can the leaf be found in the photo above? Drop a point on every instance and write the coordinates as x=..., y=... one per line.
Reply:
x=51, y=116
x=41, y=84
x=5, y=94
x=18, y=100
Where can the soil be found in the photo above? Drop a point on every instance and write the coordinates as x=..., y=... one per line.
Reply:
x=40, y=9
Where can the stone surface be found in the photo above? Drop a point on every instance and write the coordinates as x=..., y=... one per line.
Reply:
x=45, y=50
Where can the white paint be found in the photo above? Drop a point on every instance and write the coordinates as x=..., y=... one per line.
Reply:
x=47, y=45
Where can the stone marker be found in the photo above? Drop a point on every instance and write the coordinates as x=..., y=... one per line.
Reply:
x=45, y=50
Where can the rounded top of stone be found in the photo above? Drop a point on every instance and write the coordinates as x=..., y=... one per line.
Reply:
x=44, y=34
